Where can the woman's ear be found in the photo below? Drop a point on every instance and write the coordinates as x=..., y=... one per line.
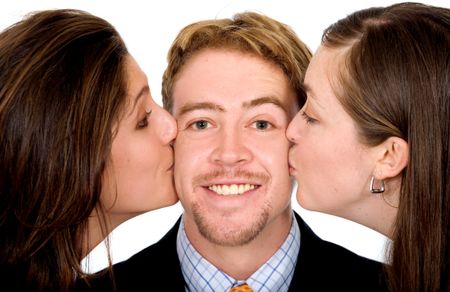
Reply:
x=392, y=158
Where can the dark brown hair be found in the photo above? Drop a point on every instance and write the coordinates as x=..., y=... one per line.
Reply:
x=248, y=32
x=62, y=88
x=395, y=81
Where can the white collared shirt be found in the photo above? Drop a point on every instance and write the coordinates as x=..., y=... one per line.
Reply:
x=275, y=275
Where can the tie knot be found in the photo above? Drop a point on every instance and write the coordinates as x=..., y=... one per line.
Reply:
x=241, y=288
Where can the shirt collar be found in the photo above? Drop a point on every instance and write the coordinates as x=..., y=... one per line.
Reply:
x=275, y=275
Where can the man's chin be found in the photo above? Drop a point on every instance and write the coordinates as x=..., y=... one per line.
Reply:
x=220, y=233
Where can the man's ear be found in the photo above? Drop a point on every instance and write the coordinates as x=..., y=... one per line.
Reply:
x=392, y=158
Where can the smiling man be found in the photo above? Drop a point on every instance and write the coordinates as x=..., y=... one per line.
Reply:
x=234, y=85
x=231, y=170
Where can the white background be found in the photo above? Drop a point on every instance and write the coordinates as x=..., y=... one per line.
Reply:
x=148, y=28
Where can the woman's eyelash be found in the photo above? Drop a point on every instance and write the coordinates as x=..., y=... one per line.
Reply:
x=144, y=122
x=307, y=118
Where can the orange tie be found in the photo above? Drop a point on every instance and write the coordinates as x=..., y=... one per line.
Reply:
x=241, y=288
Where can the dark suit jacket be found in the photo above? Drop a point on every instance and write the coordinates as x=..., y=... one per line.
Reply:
x=321, y=266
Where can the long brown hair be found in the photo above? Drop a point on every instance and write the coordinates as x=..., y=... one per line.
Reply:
x=62, y=87
x=396, y=82
x=248, y=32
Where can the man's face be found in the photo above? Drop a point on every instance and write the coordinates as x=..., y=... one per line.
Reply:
x=231, y=152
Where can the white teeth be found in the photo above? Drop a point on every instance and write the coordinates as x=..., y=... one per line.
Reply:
x=226, y=190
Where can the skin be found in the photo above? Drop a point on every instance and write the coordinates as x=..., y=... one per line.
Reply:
x=232, y=139
x=332, y=166
x=139, y=174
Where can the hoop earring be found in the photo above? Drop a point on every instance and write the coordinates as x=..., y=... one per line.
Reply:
x=374, y=190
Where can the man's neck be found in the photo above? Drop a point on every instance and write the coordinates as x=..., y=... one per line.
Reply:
x=240, y=262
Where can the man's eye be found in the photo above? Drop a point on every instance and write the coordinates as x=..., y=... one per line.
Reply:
x=200, y=125
x=262, y=125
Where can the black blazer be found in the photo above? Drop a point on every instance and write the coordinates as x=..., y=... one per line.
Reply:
x=321, y=266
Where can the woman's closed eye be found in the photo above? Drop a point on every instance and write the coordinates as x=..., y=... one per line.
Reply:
x=307, y=118
x=143, y=123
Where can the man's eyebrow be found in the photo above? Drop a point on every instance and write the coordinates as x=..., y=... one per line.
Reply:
x=265, y=100
x=192, y=106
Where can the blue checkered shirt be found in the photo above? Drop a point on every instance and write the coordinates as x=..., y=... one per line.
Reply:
x=275, y=275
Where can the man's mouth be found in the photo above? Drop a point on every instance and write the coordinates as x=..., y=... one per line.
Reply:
x=233, y=189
